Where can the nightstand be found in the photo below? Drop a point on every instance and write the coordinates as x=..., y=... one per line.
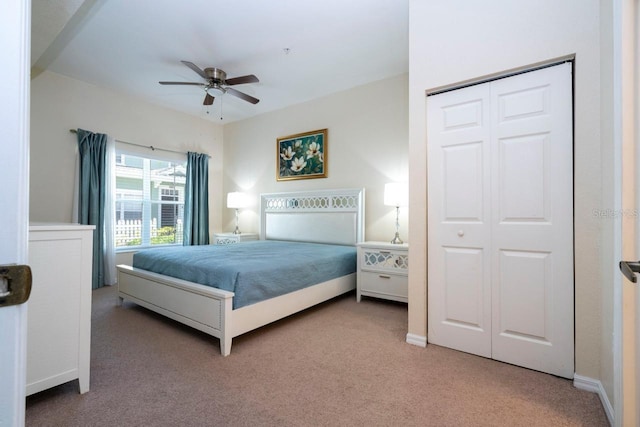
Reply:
x=383, y=271
x=230, y=238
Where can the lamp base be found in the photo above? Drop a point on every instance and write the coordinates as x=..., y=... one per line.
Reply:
x=397, y=240
x=237, y=230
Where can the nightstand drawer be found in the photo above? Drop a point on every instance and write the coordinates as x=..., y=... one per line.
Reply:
x=380, y=260
x=231, y=238
x=383, y=285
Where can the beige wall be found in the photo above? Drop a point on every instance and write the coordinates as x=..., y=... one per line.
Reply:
x=367, y=147
x=60, y=103
x=458, y=40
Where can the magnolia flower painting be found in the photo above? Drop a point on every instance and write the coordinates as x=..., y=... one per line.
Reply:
x=302, y=156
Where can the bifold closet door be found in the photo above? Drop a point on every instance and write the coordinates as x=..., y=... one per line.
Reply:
x=500, y=194
x=459, y=219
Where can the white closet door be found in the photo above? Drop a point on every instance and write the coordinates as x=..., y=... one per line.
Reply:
x=532, y=216
x=500, y=237
x=459, y=259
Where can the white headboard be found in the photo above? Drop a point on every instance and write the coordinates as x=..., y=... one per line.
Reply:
x=319, y=216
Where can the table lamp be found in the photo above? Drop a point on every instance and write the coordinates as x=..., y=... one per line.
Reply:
x=236, y=200
x=396, y=194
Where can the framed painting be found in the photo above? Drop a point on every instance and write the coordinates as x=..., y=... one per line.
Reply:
x=302, y=156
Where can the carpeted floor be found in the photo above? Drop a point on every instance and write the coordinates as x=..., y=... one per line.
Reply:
x=338, y=364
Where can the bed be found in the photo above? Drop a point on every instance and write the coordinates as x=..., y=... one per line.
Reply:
x=325, y=217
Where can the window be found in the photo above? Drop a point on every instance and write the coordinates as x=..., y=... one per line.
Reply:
x=149, y=201
x=169, y=212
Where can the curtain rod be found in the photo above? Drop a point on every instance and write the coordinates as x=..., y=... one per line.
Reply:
x=143, y=146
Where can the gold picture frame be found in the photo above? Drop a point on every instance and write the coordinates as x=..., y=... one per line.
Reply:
x=302, y=156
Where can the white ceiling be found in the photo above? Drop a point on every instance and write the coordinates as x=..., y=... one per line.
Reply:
x=128, y=46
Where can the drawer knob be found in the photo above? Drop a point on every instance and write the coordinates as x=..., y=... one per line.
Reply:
x=460, y=233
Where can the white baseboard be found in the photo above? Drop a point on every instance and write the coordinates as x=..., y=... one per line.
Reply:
x=418, y=340
x=595, y=386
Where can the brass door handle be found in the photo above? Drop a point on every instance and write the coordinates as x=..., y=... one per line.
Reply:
x=15, y=284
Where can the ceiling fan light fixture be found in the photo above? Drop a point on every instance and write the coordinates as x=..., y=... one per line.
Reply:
x=215, y=90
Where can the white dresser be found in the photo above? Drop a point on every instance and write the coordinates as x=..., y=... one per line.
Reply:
x=59, y=308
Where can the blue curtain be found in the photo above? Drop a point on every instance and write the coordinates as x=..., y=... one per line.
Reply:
x=92, y=148
x=196, y=200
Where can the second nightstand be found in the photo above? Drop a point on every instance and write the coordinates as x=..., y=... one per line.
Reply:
x=383, y=270
x=230, y=238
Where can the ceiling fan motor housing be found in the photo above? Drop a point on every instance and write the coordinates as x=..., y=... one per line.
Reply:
x=216, y=74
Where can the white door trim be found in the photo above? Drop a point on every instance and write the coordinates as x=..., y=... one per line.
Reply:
x=15, y=41
x=626, y=389
x=617, y=207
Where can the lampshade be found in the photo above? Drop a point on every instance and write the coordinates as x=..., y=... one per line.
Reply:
x=396, y=194
x=237, y=200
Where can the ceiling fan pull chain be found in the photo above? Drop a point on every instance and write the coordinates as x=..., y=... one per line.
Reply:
x=221, y=100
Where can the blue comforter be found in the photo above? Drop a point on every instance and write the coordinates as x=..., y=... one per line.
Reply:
x=254, y=271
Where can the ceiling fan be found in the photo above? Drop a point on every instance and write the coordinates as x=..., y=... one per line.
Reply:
x=217, y=79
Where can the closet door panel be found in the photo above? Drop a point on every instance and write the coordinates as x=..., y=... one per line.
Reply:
x=532, y=220
x=523, y=182
x=459, y=220
x=525, y=307
x=463, y=182
x=465, y=286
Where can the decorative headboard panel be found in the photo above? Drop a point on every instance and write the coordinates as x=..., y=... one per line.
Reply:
x=320, y=216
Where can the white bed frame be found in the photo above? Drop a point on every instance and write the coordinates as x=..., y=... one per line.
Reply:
x=322, y=216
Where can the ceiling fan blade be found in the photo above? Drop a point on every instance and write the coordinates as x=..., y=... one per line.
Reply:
x=195, y=68
x=208, y=99
x=241, y=95
x=182, y=83
x=242, y=79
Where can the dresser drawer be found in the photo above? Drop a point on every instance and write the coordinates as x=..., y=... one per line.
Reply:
x=383, y=285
